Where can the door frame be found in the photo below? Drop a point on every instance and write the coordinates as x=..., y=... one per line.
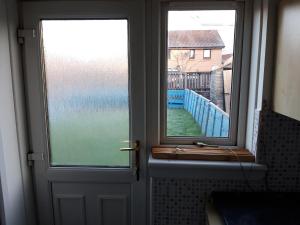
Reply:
x=44, y=174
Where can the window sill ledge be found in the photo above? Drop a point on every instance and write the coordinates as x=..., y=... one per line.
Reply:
x=200, y=169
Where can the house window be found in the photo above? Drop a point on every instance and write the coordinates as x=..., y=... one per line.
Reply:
x=206, y=53
x=192, y=54
x=200, y=101
x=169, y=53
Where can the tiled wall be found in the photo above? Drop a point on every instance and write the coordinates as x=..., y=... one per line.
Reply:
x=279, y=148
x=181, y=201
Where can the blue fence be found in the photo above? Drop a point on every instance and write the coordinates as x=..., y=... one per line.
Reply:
x=213, y=121
x=176, y=98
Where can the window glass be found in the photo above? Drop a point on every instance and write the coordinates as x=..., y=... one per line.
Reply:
x=86, y=71
x=192, y=54
x=199, y=90
x=206, y=53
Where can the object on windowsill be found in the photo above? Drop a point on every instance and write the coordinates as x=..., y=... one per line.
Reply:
x=204, y=153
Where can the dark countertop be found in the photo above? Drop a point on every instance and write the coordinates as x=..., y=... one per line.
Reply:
x=265, y=208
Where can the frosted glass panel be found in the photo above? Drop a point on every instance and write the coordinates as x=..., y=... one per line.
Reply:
x=86, y=70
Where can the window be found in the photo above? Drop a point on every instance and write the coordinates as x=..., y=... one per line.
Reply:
x=206, y=53
x=200, y=98
x=192, y=53
x=169, y=53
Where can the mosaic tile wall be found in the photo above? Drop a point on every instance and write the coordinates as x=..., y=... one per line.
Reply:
x=278, y=147
x=181, y=201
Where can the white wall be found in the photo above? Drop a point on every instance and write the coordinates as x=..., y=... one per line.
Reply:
x=12, y=121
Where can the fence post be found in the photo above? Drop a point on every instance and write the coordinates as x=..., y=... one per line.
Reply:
x=207, y=118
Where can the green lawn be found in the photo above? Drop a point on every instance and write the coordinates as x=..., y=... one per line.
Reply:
x=181, y=123
x=94, y=138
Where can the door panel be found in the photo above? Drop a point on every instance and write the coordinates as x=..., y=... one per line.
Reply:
x=66, y=205
x=91, y=204
x=113, y=209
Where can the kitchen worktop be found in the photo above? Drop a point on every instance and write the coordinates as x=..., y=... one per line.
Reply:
x=264, y=208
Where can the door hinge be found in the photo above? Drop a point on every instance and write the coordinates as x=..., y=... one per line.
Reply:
x=35, y=156
x=25, y=33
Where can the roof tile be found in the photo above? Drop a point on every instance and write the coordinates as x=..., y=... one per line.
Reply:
x=195, y=39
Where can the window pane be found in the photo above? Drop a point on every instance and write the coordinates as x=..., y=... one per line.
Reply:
x=199, y=87
x=86, y=70
x=192, y=54
x=206, y=53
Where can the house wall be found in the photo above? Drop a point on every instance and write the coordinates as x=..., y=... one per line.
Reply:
x=198, y=64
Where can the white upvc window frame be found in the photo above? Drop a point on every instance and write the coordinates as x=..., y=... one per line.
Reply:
x=241, y=63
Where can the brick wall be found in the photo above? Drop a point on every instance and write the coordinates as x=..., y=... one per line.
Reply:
x=198, y=64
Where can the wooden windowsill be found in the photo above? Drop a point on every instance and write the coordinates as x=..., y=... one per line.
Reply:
x=229, y=154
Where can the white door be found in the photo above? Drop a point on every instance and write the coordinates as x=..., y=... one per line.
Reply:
x=84, y=74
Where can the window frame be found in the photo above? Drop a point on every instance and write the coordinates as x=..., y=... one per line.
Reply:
x=209, y=57
x=192, y=54
x=241, y=63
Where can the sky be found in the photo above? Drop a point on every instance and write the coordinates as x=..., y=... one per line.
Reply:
x=221, y=20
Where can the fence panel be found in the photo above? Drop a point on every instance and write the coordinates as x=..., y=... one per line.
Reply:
x=193, y=103
x=176, y=98
x=225, y=127
x=201, y=112
x=218, y=124
x=199, y=82
x=205, y=118
x=213, y=121
x=186, y=98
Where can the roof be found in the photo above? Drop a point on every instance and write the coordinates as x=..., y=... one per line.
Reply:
x=226, y=56
x=195, y=39
x=227, y=64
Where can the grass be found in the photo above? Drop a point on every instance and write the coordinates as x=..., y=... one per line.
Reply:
x=181, y=123
x=94, y=138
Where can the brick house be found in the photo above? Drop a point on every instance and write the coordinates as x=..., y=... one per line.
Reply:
x=194, y=50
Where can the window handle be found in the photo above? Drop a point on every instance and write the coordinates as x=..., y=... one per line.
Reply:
x=203, y=145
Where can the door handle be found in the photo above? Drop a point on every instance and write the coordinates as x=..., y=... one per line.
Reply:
x=136, y=163
x=136, y=147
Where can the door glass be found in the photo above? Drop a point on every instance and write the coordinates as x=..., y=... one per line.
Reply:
x=86, y=73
